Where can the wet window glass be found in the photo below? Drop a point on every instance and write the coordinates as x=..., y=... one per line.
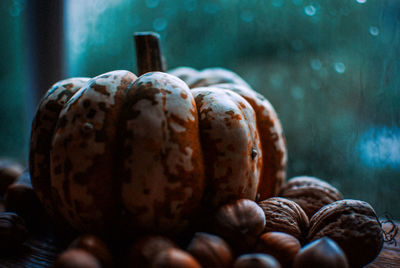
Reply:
x=330, y=69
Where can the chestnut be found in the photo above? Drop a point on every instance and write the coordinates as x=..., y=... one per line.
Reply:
x=240, y=223
x=256, y=260
x=210, y=250
x=323, y=252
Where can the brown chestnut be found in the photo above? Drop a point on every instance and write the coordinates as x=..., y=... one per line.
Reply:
x=95, y=246
x=143, y=252
x=282, y=246
x=76, y=258
x=21, y=199
x=9, y=173
x=174, y=258
x=240, y=223
x=256, y=260
x=323, y=252
x=210, y=250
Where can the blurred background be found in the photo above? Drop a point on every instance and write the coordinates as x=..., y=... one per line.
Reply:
x=329, y=67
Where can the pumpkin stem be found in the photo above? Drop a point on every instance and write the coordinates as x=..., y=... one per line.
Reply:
x=149, y=56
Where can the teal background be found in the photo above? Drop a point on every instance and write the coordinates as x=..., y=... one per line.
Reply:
x=329, y=67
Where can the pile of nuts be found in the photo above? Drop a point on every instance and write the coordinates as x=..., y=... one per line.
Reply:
x=308, y=225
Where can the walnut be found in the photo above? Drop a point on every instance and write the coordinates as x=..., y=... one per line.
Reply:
x=353, y=225
x=284, y=215
x=310, y=193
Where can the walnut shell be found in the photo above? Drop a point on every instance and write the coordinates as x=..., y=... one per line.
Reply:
x=284, y=215
x=310, y=193
x=353, y=225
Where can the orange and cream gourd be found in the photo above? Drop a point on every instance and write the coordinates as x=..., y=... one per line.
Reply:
x=118, y=153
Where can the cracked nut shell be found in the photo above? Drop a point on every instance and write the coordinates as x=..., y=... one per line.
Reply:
x=353, y=225
x=310, y=193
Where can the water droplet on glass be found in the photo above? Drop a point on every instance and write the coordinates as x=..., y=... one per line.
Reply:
x=315, y=84
x=297, y=45
x=297, y=93
x=361, y=1
x=160, y=24
x=310, y=10
x=316, y=64
x=339, y=67
x=276, y=81
x=374, y=31
x=190, y=5
x=211, y=8
x=247, y=16
x=152, y=3
x=297, y=2
x=277, y=3
x=134, y=20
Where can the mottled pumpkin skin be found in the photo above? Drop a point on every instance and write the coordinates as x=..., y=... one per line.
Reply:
x=119, y=154
x=274, y=154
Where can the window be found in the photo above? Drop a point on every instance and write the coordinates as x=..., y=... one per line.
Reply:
x=330, y=68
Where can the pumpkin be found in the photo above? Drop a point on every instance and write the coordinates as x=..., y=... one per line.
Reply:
x=120, y=154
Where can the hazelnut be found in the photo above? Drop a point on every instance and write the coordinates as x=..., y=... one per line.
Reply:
x=76, y=258
x=174, y=258
x=13, y=231
x=144, y=250
x=353, y=225
x=310, y=193
x=240, y=223
x=282, y=246
x=21, y=199
x=95, y=246
x=256, y=260
x=9, y=173
x=323, y=252
x=284, y=215
x=210, y=250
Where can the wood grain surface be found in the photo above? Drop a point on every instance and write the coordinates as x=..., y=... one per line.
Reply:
x=40, y=250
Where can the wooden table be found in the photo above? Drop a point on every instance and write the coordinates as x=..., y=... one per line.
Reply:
x=41, y=251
